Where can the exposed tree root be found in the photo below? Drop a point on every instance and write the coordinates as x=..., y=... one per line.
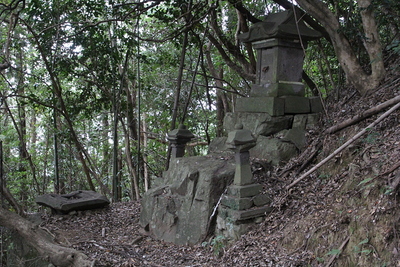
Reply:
x=50, y=251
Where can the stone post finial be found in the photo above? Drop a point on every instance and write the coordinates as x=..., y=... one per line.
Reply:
x=178, y=139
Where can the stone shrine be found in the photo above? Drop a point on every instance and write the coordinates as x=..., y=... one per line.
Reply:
x=277, y=110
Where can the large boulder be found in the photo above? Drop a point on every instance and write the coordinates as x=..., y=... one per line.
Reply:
x=180, y=211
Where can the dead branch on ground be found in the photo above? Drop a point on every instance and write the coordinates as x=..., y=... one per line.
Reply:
x=364, y=115
x=351, y=140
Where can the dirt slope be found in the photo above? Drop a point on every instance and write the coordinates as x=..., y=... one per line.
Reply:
x=345, y=214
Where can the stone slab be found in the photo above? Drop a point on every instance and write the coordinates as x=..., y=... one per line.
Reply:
x=300, y=121
x=240, y=215
x=258, y=123
x=261, y=200
x=296, y=104
x=77, y=200
x=297, y=136
x=236, y=203
x=281, y=88
x=273, y=150
x=244, y=191
x=272, y=105
x=313, y=121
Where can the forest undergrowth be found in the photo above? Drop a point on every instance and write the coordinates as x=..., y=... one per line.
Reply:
x=346, y=213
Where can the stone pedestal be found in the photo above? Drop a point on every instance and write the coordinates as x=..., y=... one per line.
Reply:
x=242, y=205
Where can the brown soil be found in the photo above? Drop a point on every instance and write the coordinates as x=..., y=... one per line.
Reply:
x=344, y=214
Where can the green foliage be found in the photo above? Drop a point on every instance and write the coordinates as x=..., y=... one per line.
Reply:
x=359, y=248
x=335, y=252
x=217, y=244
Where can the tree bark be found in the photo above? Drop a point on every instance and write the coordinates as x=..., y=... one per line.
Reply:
x=37, y=238
x=363, y=82
x=222, y=103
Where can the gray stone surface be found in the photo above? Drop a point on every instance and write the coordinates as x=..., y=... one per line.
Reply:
x=312, y=121
x=218, y=146
x=296, y=136
x=272, y=105
x=300, y=121
x=279, y=88
x=236, y=203
x=296, y=104
x=258, y=123
x=77, y=200
x=316, y=104
x=285, y=24
x=261, y=200
x=244, y=191
x=240, y=215
x=180, y=210
x=276, y=151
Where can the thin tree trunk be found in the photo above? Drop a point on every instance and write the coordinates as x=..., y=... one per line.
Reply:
x=178, y=90
x=83, y=156
x=146, y=177
x=222, y=104
x=130, y=165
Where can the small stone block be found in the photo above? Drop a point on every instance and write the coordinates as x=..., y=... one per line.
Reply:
x=312, y=121
x=316, y=104
x=236, y=203
x=300, y=121
x=261, y=200
x=244, y=191
x=296, y=104
x=239, y=215
x=296, y=136
x=272, y=105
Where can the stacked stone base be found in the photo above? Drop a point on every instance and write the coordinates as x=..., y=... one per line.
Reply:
x=280, y=124
x=241, y=207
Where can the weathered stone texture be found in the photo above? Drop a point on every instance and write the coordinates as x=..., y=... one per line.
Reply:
x=273, y=150
x=258, y=123
x=180, y=210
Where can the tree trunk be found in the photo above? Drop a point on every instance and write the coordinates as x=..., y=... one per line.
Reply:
x=222, y=103
x=83, y=156
x=363, y=82
x=37, y=238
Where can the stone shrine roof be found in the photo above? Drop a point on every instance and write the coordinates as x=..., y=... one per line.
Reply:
x=280, y=25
